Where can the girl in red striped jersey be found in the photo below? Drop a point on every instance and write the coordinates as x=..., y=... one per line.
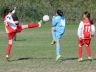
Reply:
x=86, y=30
x=12, y=27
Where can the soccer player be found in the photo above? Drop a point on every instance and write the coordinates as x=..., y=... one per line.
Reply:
x=12, y=27
x=86, y=30
x=58, y=29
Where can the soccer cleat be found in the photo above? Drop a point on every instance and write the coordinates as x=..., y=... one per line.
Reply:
x=40, y=22
x=58, y=57
x=80, y=60
x=7, y=57
x=53, y=42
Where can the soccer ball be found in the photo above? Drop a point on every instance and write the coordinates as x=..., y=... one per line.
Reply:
x=45, y=18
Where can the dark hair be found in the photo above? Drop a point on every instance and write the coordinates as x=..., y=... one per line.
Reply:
x=60, y=13
x=5, y=12
x=89, y=17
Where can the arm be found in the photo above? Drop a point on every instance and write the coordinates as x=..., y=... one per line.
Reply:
x=13, y=11
x=80, y=28
x=93, y=30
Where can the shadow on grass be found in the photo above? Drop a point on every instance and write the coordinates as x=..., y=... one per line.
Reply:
x=69, y=59
x=87, y=60
x=94, y=59
x=46, y=58
x=30, y=58
x=20, y=40
x=77, y=59
x=63, y=60
x=49, y=58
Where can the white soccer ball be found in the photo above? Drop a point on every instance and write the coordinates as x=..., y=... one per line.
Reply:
x=45, y=18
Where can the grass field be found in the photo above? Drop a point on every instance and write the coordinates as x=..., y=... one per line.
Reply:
x=32, y=52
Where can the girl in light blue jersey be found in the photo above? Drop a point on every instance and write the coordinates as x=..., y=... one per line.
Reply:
x=58, y=29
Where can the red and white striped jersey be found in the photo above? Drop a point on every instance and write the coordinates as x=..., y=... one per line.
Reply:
x=10, y=25
x=85, y=29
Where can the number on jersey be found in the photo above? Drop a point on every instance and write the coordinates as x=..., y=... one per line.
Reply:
x=87, y=31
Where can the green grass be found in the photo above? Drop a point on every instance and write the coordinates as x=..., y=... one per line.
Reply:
x=32, y=52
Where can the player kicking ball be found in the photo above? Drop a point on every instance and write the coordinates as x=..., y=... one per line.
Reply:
x=58, y=29
x=12, y=27
x=86, y=30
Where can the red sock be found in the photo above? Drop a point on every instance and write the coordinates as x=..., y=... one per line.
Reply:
x=9, y=49
x=88, y=51
x=80, y=52
x=32, y=25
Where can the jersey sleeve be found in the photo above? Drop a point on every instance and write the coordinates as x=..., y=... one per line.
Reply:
x=80, y=28
x=63, y=22
x=9, y=20
x=93, y=30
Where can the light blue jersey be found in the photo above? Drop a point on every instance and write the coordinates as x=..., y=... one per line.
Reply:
x=58, y=23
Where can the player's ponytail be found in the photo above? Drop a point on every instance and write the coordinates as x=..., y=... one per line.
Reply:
x=89, y=17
